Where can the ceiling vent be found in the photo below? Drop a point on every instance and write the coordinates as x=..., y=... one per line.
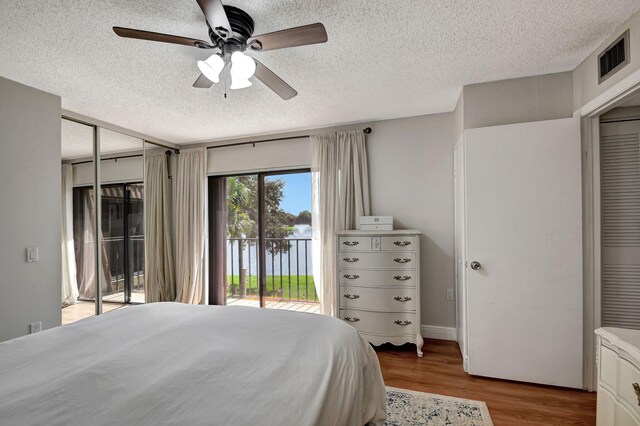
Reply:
x=614, y=57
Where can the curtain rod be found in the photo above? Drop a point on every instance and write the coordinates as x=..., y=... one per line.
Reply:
x=366, y=130
x=167, y=152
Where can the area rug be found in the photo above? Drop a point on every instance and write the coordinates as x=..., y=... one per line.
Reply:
x=405, y=408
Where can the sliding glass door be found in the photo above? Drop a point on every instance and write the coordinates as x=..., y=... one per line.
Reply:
x=260, y=240
x=122, y=248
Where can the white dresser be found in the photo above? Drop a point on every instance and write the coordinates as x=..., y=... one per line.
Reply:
x=618, y=358
x=379, y=285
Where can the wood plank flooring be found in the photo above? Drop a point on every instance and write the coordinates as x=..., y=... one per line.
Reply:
x=313, y=308
x=510, y=403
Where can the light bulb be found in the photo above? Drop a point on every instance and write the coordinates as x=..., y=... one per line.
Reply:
x=212, y=67
x=237, y=83
x=243, y=68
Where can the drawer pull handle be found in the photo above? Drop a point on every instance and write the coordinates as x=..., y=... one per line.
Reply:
x=351, y=296
x=405, y=260
x=402, y=243
x=351, y=277
x=636, y=388
x=350, y=319
x=402, y=278
x=402, y=323
x=402, y=299
x=351, y=259
x=351, y=243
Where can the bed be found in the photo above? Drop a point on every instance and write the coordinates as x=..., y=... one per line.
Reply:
x=177, y=364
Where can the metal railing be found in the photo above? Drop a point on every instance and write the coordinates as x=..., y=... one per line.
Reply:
x=288, y=270
x=114, y=249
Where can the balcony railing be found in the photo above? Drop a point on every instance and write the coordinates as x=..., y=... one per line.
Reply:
x=114, y=249
x=288, y=269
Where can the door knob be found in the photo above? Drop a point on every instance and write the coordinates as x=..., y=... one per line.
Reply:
x=475, y=265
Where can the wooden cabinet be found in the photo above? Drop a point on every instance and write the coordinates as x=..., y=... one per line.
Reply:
x=379, y=285
x=618, y=358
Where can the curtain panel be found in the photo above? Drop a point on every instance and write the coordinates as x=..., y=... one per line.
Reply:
x=160, y=285
x=191, y=225
x=340, y=195
x=69, y=273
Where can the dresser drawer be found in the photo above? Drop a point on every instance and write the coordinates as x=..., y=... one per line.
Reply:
x=628, y=375
x=399, y=243
x=392, y=324
x=608, y=368
x=390, y=277
x=396, y=260
x=378, y=299
x=354, y=243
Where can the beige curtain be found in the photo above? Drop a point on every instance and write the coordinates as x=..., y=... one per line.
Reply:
x=69, y=281
x=340, y=195
x=191, y=225
x=159, y=283
x=87, y=264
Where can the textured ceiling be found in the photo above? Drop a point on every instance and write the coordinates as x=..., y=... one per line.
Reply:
x=384, y=59
x=77, y=141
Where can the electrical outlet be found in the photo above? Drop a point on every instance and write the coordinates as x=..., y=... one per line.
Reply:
x=449, y=294
x=35, y=327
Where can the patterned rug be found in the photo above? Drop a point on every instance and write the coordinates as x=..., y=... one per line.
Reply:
x=405, y=408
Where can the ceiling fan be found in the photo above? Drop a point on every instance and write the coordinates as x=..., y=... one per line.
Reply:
x=231, y=32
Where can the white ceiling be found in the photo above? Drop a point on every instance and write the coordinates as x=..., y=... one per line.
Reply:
x=77, y=141
x=384, y=59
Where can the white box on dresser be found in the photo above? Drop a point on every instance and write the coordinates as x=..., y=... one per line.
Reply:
x=618, y=359
x=379, y=285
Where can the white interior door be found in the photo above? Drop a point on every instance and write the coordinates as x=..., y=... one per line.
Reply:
x=524, y=220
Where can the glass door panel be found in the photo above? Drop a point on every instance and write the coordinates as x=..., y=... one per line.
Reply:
x=287, y=228
x=242, y=245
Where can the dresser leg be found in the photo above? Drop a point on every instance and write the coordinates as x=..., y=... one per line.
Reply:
x=419, y=344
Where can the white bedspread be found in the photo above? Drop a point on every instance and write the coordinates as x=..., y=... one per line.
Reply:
x=175, y=364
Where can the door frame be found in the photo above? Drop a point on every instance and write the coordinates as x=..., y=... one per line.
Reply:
x=262, y=236
x=589, y=115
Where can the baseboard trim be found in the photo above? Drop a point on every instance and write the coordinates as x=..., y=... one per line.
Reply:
x=438, y=332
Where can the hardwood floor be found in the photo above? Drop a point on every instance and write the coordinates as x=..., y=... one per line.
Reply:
x=510, y=403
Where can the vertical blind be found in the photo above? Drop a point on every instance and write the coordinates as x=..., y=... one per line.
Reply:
x=620, y=180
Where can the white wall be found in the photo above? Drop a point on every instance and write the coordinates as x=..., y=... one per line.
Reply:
x=411, y=175
x=585, y=76
x=288, y=154
x=519, y=100
x=30, y=190
x=124, y=170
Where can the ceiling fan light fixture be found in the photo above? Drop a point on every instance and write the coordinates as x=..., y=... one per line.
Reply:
x=237, y=83
x=242, y=66
x=212, y=67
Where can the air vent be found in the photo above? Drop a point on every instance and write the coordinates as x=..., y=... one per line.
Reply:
x=614, y=57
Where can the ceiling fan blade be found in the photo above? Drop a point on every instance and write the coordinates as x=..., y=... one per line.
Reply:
x=298, y=36
x=202, y=82
x=164, y=38
x=216, y=17
x=273, y=82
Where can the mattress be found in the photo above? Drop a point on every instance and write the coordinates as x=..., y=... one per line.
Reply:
x=177, y=364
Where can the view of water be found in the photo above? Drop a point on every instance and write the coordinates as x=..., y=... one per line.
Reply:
x=293, y=262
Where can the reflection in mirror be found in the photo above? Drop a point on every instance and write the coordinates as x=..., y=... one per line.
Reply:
x=160, y=279
x=122, y=219
x=78, y=245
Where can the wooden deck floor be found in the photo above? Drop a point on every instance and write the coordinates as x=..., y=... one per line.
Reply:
x=313, y=308
x=85, y=309
x=510, y=403
x=82, y=310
